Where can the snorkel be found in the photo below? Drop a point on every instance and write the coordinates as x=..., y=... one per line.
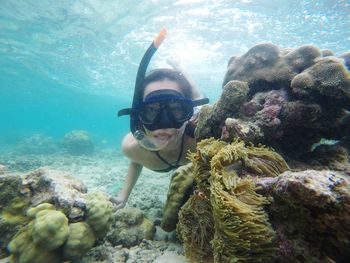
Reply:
x=140, y=135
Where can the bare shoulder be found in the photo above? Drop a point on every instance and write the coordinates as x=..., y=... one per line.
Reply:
x=131, y=148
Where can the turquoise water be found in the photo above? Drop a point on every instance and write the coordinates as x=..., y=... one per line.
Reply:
x=68, y=65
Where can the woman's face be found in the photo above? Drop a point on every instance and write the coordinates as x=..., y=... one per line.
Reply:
x=170, y=135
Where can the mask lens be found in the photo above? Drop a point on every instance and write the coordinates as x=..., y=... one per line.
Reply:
x=149, y=112
x=180, y=110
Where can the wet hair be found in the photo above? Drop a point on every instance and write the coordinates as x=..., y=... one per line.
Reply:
x=172, y=75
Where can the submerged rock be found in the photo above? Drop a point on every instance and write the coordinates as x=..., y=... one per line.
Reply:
x=78, y=142
x=130, y=228
x=310, y=211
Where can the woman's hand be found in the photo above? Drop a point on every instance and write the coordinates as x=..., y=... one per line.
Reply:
x=118, y=201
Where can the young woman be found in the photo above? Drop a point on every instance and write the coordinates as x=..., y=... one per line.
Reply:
x=161, y=131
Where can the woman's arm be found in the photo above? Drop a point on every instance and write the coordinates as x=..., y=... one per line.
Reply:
x=130, y=149
x=134, y=172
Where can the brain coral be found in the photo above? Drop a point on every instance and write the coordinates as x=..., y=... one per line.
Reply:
x=326, y=82
x=38, y=241
x=99, y=213
x=50, y=225
x=266, y=67
x=80, y=240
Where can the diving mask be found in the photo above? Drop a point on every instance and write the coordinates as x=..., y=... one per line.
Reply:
x=162, y=109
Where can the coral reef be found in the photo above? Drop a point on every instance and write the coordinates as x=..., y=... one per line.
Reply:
x=50, y=229
x=288, y=99
x=130, y=228
x=224, y=220
x=78, y=142
x=12, y=209
x=296, y=101
x=47, y=216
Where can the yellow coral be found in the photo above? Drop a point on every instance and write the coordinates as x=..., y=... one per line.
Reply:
x=224, y=221
x=23, y=249
x=34, y=210
x=50, y=229
x=99, y=213
x=80, y=240
x=48, y=234
x=14, y=212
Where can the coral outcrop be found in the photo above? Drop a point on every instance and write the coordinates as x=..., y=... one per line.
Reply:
x=130, y=228
x=78, y=142
x=47, y=216
x=288, y=99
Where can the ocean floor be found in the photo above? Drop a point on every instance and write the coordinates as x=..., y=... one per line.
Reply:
x=105, y=170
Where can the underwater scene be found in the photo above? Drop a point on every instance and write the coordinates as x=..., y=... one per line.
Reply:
x=174, y=131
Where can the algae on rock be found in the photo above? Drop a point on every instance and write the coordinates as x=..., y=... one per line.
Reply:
x=130, y=228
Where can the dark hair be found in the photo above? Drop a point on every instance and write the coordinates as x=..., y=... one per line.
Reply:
x=173, y=75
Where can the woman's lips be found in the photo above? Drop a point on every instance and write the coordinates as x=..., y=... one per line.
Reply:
x=163, y=136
